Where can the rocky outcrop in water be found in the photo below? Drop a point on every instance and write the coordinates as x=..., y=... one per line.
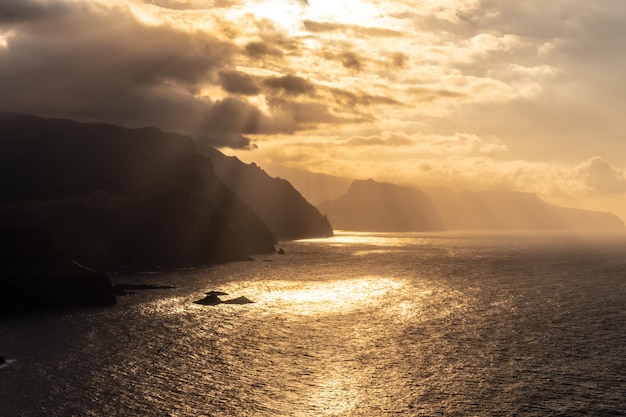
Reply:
x=213, y=298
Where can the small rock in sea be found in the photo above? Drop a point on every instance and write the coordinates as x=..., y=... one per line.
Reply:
x=212, y=298
x=209, y=300
x=239, y=300
x=2, y=360
x=215, y=293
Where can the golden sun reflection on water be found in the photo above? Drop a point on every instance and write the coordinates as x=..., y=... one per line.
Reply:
x=341, y=296
x=323, y=297
x=350, y=238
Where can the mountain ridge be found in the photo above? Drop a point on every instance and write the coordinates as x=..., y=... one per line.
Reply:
x=278, y=203
x=369, y=205
x=112, y=197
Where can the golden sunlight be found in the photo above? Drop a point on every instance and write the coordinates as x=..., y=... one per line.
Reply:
x=290, y=15
x=324, y=297
x=4, y=39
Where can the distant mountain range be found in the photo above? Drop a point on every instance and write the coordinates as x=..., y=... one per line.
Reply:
x=115, y=198
x=374, y=206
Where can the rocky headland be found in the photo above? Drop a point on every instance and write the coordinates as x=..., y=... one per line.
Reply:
x=36, y=275
x=112, y=199
x=275, y=200
x=384, y=207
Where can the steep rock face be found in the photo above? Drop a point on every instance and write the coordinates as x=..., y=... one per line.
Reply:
x=372, y=206
x=275, y=200
x=115, y=198
x=506, y=210
x=52, y=158
x=382, y=207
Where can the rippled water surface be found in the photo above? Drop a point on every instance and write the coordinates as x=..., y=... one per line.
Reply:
x=356, y=325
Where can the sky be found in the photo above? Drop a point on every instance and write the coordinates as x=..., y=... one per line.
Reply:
x=466, y=94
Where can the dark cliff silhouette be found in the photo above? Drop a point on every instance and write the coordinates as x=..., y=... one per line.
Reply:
x=122, y=198
x=382, y=207
x=372, y=206
x=35, y=274
x=275, y=200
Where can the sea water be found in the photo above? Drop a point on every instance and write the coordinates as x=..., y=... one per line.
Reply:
x=354, y=325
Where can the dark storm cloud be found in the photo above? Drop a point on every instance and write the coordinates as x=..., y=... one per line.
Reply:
x=239, y=83
x=97, y=63
x=16, y=11
x=91, y=62
x=231, y=118
x=291, y=84
x=226, y=121
x=234, y=116
x=261, y=50
x=351, y=60
x=350, y=98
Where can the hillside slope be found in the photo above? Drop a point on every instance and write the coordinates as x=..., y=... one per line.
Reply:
x=122, y=198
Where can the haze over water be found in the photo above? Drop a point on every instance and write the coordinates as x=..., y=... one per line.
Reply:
x=355, y=325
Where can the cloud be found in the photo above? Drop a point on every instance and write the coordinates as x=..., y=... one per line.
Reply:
x=321, y=27
x=231, y=118
x=19, y=11
x=390, y=140
x=302, y=113
x=239, y=83
x=600, y=178
x=192, y=4
x=358, y=98
x=399, y=60
x=260, y=50
x=351, y=60
x=117, y=70
x=226, y=121
x=232, y=115
x=291, y=84
x=423, y=94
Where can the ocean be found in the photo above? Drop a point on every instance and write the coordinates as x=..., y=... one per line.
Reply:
x=421, y=324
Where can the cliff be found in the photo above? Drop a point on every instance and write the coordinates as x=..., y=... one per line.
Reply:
x=35, y=274
x=275, y=200
x=382, y=207
x=506, y=210
x=116, y=198
x=372, y=206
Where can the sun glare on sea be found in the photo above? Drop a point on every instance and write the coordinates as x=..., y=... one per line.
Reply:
x=342, y=238
x=323, y=297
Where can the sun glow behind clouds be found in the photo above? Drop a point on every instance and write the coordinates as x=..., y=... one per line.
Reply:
x=4, y=39
x=518, y=78
x=291, y=14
